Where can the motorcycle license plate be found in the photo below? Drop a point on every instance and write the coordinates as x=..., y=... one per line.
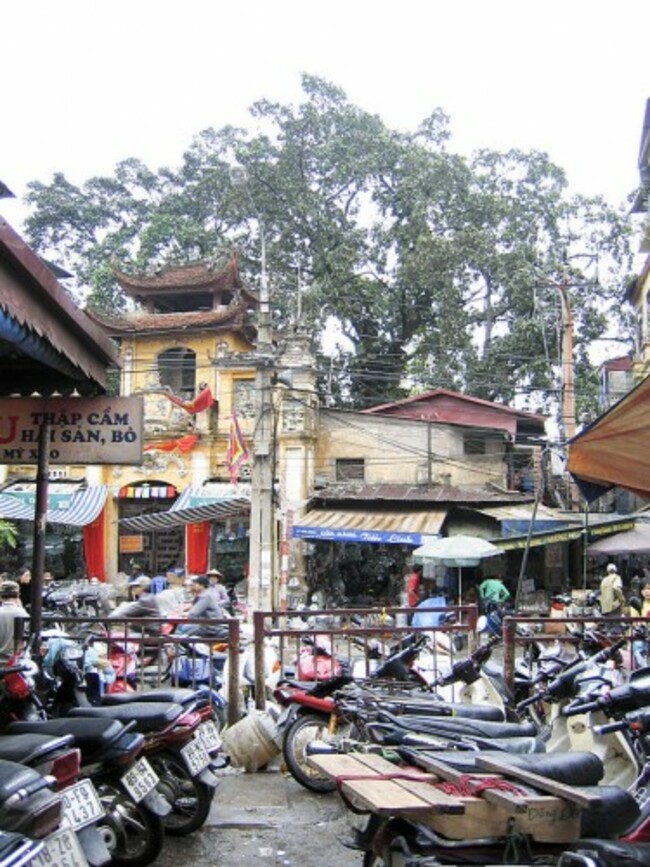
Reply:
x=209, y=736
x=196, y=756
x=61, y=849
x=140, y=780
x=81, y=805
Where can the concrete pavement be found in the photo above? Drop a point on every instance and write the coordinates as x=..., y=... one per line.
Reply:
x=266, y=818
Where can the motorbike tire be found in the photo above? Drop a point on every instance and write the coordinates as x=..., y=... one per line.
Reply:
x=310, y=727
x=134, y=836
x=190, y=798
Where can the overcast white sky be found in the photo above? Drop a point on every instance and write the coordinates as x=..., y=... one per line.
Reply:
x=88, y=83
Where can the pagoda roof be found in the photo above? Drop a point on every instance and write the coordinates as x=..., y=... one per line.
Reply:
x=198, y=276
x=231, y=318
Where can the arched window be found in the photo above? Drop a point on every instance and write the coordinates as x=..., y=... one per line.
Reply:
x=177, y=369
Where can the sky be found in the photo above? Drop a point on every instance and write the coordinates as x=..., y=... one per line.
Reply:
x=88, y=83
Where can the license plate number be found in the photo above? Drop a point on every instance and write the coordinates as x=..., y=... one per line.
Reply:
x=61, y=849
x=196, y=756
x=209, y=736
x=140, y=780
x=81, y=805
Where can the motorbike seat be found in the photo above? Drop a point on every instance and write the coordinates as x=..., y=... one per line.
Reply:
x=573, y=768
x=449, y=726
x=178, y=695
x=14, y=776
x=90, y=735
x=27, y=748
x=608, y=853
x=148, y=716
x=618, y=812
x=447, y=709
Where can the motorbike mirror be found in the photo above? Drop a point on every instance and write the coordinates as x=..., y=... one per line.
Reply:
x=635, y=602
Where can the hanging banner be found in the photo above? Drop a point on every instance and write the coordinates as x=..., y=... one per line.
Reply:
x=96, y=430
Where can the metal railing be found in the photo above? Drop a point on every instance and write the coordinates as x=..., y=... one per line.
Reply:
x=557, y=629
x=350, y=631
x=142, y=639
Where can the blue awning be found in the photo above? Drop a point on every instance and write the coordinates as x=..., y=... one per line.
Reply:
x=365, y=525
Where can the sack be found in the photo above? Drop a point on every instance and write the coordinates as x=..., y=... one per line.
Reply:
x=187, y=671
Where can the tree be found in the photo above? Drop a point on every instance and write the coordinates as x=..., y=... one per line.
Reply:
x=442, y=270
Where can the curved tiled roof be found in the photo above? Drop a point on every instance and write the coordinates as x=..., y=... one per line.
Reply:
x=228, y=318
x=194, y=277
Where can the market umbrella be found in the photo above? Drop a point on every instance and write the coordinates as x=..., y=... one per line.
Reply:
x=456, y=551
x=635, y=541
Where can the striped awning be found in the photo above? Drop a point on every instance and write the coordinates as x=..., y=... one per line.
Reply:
x=179, y=514
x=366, y=525
x=84, y=506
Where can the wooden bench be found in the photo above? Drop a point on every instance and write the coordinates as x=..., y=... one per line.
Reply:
x=545, y=810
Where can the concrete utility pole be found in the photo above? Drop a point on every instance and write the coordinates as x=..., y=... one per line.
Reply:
x=262, y=523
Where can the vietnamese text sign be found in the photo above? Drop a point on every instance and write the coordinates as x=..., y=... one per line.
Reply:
x=96, y=430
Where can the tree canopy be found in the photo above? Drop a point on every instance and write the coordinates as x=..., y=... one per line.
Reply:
x=442, y=270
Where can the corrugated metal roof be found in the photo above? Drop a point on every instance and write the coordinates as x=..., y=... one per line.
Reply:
x=524, y=512
x=420, y=494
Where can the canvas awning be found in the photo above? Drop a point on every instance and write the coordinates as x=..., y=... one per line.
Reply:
x=77, y=510
x=635, y=541
x=366, y=525
x=194, y=506
x=613, y=450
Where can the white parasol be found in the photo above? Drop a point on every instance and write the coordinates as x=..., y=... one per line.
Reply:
x=456, y=551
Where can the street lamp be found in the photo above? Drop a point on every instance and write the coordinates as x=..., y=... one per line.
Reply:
x=261, y=557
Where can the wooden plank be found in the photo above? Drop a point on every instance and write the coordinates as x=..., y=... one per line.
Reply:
x=561, y=790
x=549, y=820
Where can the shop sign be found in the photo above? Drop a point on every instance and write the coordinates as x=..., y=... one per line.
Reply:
x=131, y=544
x=97, y=430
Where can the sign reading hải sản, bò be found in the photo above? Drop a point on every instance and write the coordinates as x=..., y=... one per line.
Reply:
x=96, y=430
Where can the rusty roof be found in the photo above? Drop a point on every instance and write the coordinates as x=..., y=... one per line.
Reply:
x=47, y=342
x=456, y=395
x=409, y=494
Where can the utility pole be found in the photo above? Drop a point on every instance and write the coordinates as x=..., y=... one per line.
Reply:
x=262, y=529
x=568, y=390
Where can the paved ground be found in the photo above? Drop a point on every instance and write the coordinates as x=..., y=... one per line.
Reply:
x=266, y=819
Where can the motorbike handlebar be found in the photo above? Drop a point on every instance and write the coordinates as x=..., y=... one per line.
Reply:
x=606, y=729
x=579, y=707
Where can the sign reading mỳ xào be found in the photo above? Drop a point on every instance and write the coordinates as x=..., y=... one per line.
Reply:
x=96, y=430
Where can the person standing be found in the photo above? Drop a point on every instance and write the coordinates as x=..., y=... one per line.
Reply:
x=640, y=633
x=25, y=587
x=413, y=586
x=215, y=577
x=10, y=609
x=492, y=591
x=612, y=598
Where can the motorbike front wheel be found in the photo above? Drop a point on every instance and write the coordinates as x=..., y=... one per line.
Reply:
x=307, y=728
x=190, y=798
x=134, y=836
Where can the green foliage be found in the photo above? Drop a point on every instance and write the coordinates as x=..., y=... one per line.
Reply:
x=442, y=271
x=8, y=534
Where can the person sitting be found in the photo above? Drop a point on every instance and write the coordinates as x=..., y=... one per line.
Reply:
x=143, y=603
x=205, y=606
x=215, y=577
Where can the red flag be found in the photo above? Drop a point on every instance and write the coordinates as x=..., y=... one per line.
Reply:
x=237, y=449
x=201, y=402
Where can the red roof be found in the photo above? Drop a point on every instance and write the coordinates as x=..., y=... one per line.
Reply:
x=438, y=393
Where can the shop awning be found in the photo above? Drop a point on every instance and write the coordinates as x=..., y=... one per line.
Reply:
x=613, y=451
x=77, y=510
x=192, y=507
x=365, y=525
x=565, y=534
